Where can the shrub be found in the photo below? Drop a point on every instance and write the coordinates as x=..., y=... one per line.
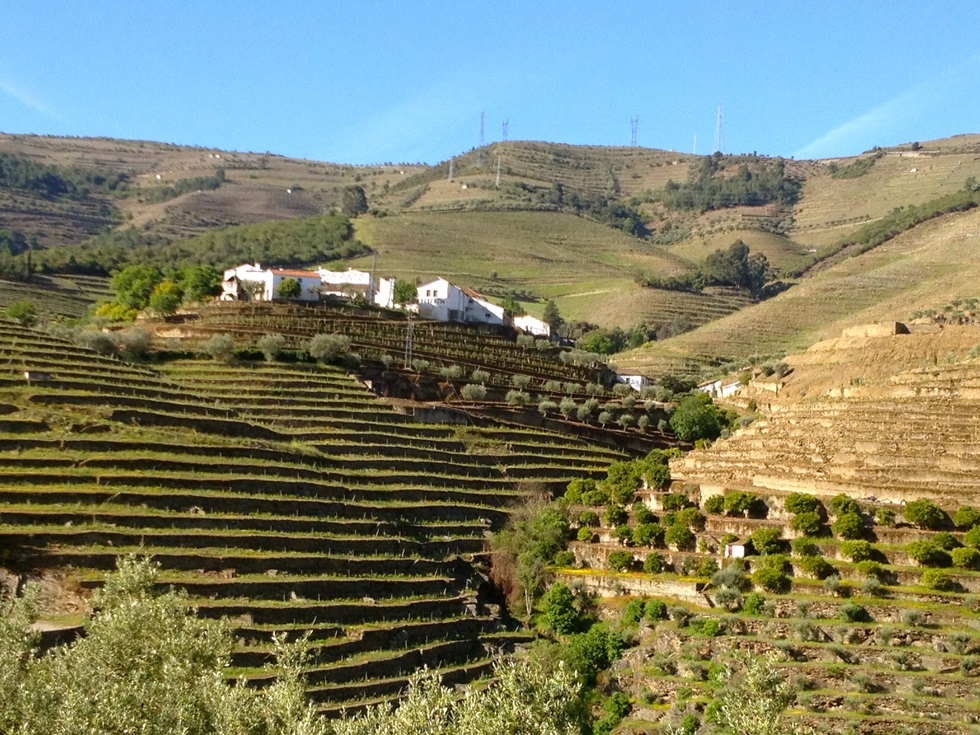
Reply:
x=851, y=612
x=517, y=398
x=642, y=514
x=588, y=518
x=816, y=567
x=848, y=526
x=728, y=598
x=754, y=603
x=605, y=417
x=771, y=579
x=474, y=391
x=654, y=564
x=596, y=496
x=480, y=376
x=655, y=610
x=23, y=312
x=871, y=569
x=559, y=609
x=715, y=505
x=585, y=534
x=633, y=612
x=937, y=579
x=857, y=550
x=219, y=346
x=767, y=540
x=328, y=347
x=805, y=547
x=679, y=536
x=885, y=517
x=648, y=534
x=675, y=501
x=520, y=381
x=657, y=476
x=567, y=407
x=946, y=540
x=808, y=523
x=924, y=514
x=696, y=417
x=134, y=342
x=841, y=504
x=801, y=503
x=271, y=346
x=966, y=517
x=615, y=515
x=547, y=406
x=928, y=554
x=620, y=561
x=739, y=502
x=690, y=517
x=833, y=585
x=451, y=372
x=966, y=558
x=732, y=576
x=972, y=537
x=624, y=534
x=707, y=568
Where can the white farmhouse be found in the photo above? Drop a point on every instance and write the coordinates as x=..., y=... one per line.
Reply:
x=719, y=388
x=529, y=325
x=252, y=282
x=636, y=382
x=353, y=284
x=442, y=301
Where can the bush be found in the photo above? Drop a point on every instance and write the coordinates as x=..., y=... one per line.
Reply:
x=937, y=579
x=740, y=503
x=270, y=345
x=23, y=312
x=771, y=579
x=679, y=536
x=328, y=347
x=841, y=504
x=517, y=398
x=853, y=613
x=767, y=540
x=657, y=476
x=801, y=503
x=547, y=406
x=474, y=391
x=816, y=567
x=805, y=547
x=615, y=515
x=848, y=526
x=559, y=609
x=885, y=517
x=480, y=376
x=965, y=558
x=715, y=505
x=134, y=342
x=585, y=534
x=596, y=496
x=642, y=514
x=690, y=517
x=567, y=407
x=928, y=554
x=754, y=603
x=654, y=564
x=924, y=514
x=633, y=612
x=675, y=501
x=946, y=540
x=588, y=518
x=707, y=568
x=857, y=550
x=648, y=534
x=871, y=569
x=655, y=610
x=624, y=534
x=972, y=537
x=808, y=522
x=966, y=517
x=696, y=417
x=520, y=381
x=620, y=561
x=219, y=347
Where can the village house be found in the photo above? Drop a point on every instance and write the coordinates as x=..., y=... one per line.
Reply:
x=720, y=388
x=252, y=282
x=442, y=301
x=529, y=325
x=635, y=381
x=357, y=285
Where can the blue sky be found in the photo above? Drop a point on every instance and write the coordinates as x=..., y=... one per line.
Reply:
x=364, y=81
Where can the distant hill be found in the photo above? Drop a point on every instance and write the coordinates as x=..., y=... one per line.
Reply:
x=585, y=226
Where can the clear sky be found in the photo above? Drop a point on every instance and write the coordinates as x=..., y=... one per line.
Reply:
x=364, y=81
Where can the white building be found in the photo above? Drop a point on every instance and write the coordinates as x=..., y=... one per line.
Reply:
x=636, y=382
x=529, y=325
x=442, y=301
x=719, y=388
x=252, y=282
x=348, y=284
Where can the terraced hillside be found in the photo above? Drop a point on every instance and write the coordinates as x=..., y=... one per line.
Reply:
x=284, y=499
x=925, y=267
x=68, y=297
x=855, y=498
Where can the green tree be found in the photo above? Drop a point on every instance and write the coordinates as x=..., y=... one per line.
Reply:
x=23, y=312
x=753, y=698
x=134, y=285
x=925, y=514
x=552, y=317
x=289, y=288
x=737, y=268
x=559, y=609
x=328, y=347
x=200, y=282
x=270, y=345
x=166, y=297
x=848, y=526
x=696, y=417
x=405, y=292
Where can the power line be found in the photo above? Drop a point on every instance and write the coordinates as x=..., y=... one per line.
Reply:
x=719, y=133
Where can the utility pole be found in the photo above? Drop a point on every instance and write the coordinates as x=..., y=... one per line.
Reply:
x=695, y=149
x=719, y=134
x=634, y=124
x=409, y=342
x=451, y=162
x=498, y=170
x=481, y=129
x=506, y=124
